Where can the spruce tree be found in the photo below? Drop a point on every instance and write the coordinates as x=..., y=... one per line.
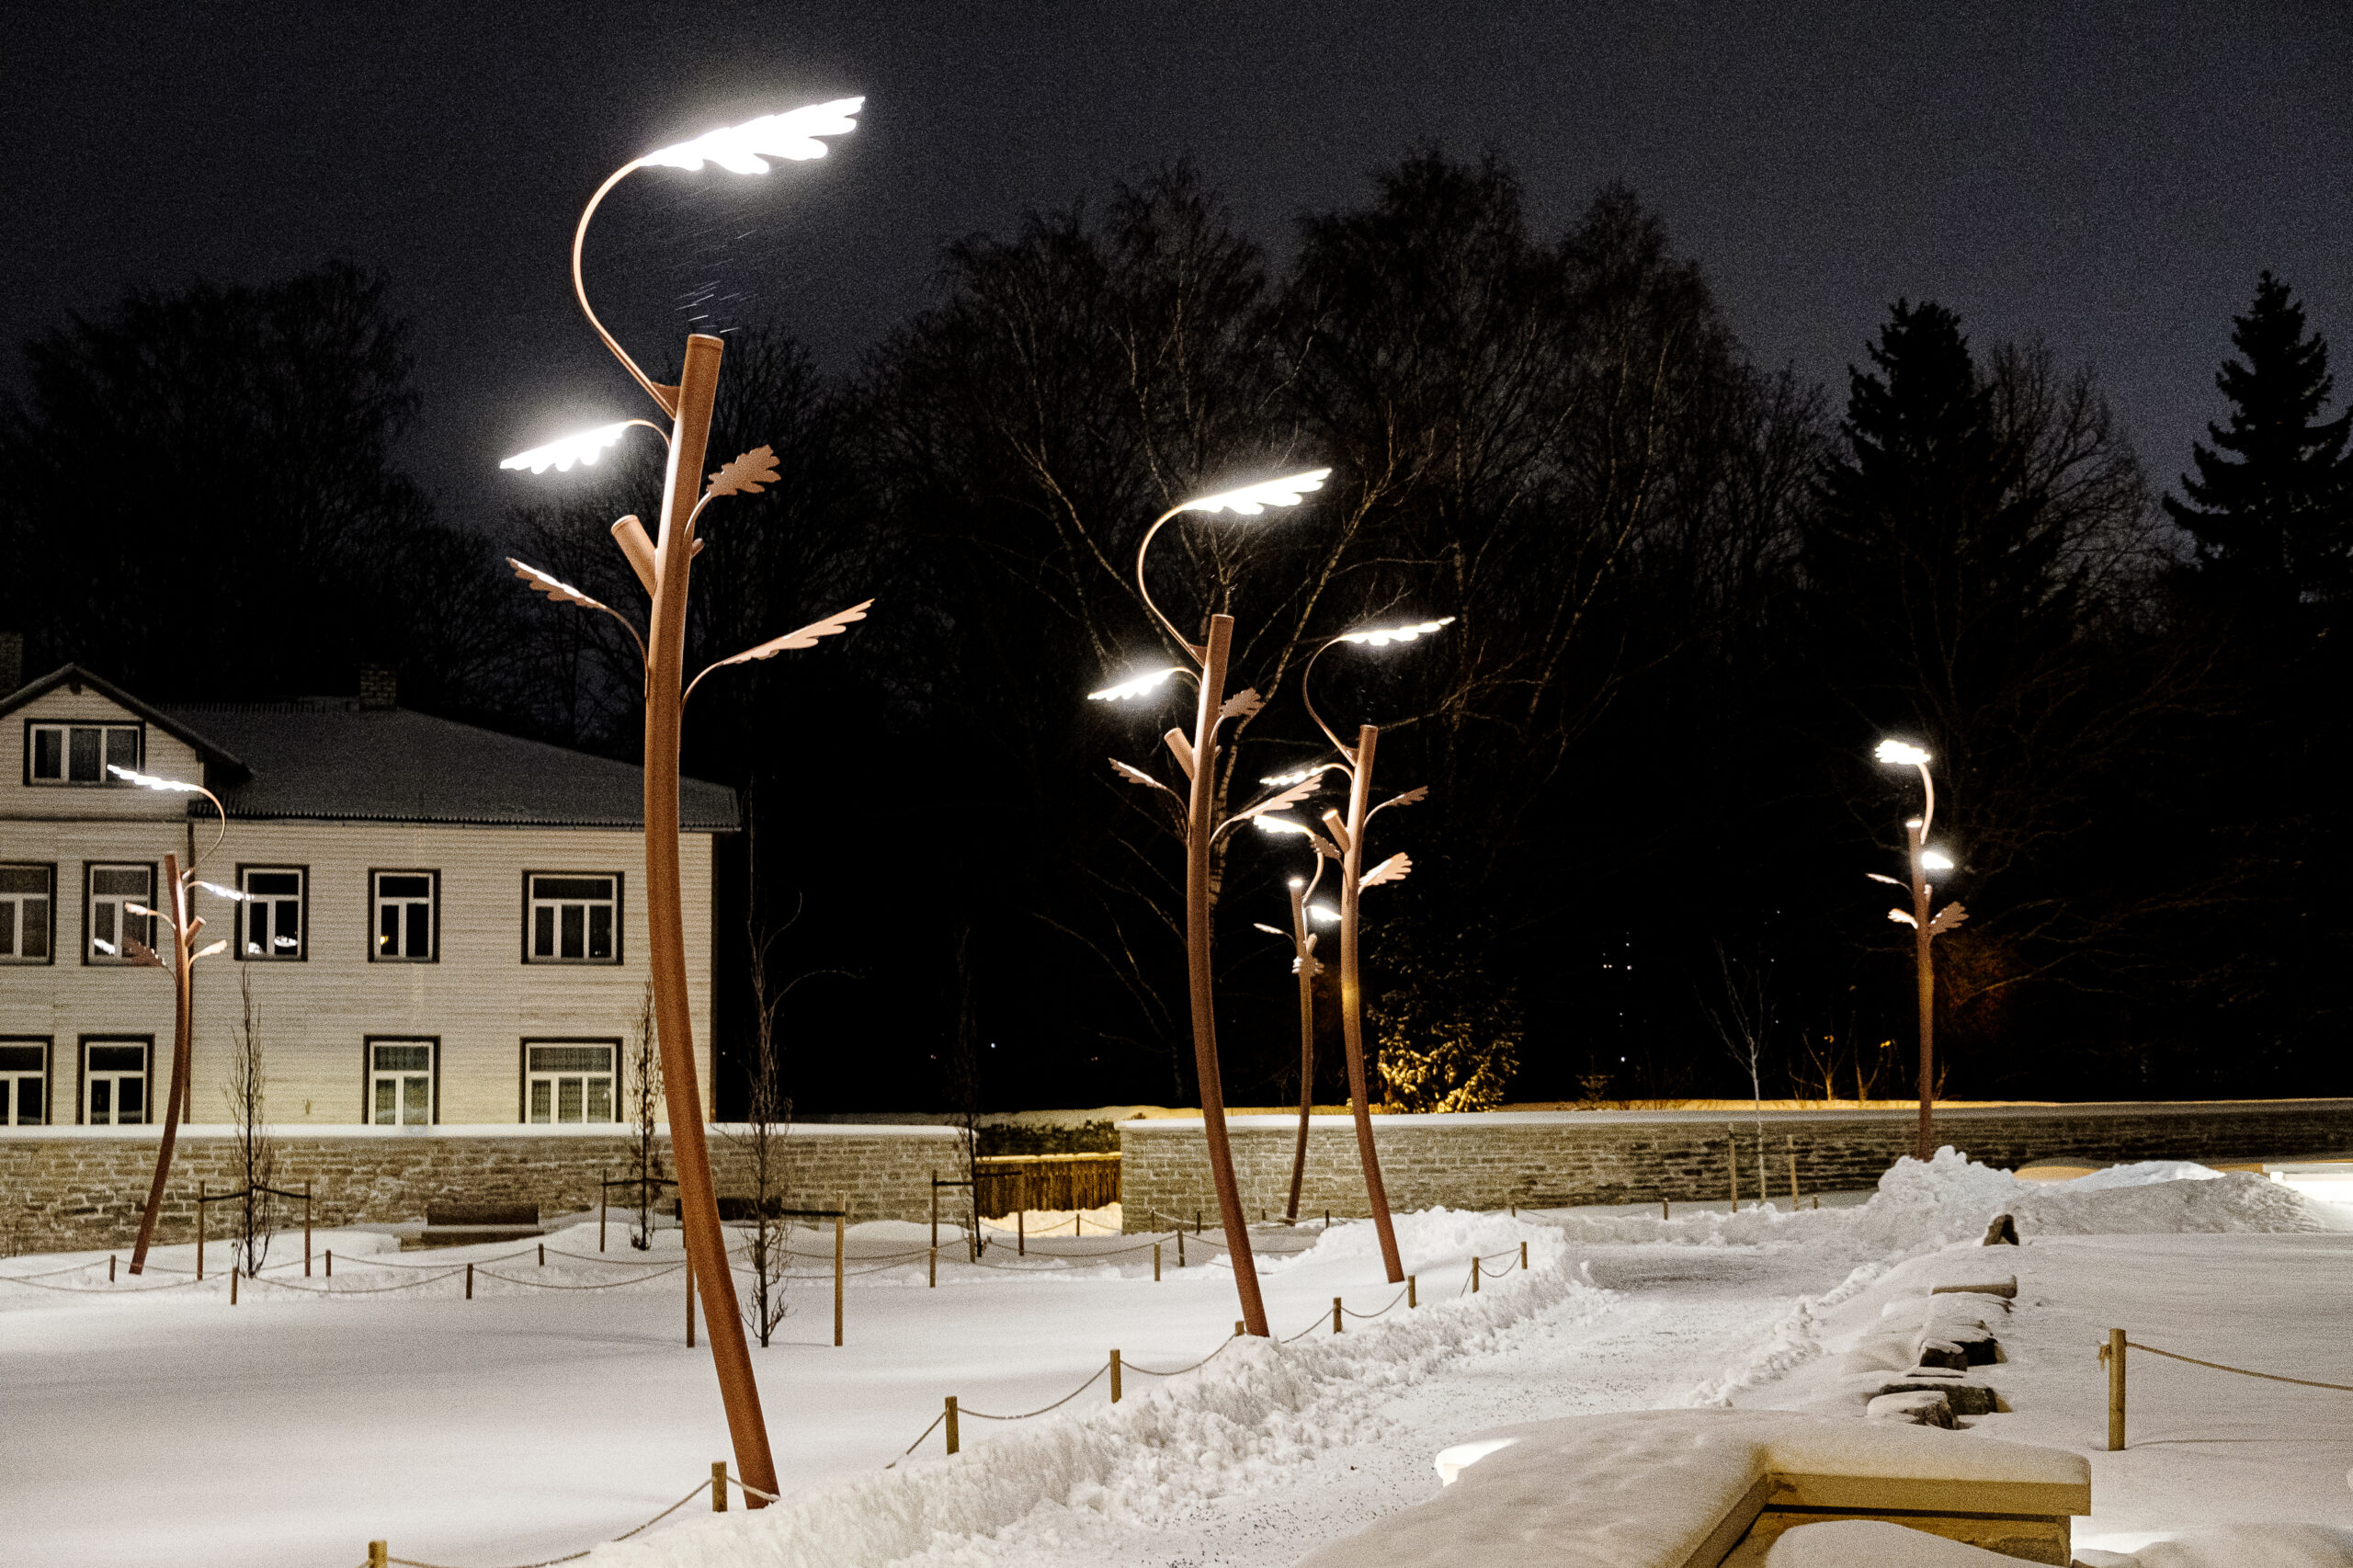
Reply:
x=2271, y=506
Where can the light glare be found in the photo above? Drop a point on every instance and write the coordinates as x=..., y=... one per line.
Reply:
x=1135, y=685
x=1269, y=823
x=739, y=148
x=1381, y=636
x=584, y=447
x=149, y=781
x=1253, y=499
x=1324, y=911
x=1901, y=752
x=1936, y=860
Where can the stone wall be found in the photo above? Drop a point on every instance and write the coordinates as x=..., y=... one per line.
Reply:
x=1547, y=1157
x=83, y=1188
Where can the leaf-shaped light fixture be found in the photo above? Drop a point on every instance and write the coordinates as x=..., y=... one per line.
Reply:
x=806, y=637
x=1950, y=915
x=741, y=148
x=1413, y=797
x=150, y=781
x=1242, y=704
x=1135, y=686
x=210, y=949
x=745, y=475
x=1276, y=803
x=1876, y=877
x=1136, y=775
x=1381, y=636
x=555, y=587
x=1252, y=499
x=1903, y=917
x=1901, y=752
x=1269, y=930
x=1393, y=869
x=582, y=447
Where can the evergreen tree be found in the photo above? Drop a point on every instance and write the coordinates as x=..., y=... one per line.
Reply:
x=2271, y=507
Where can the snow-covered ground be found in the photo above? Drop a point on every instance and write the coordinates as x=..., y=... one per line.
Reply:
x=162, y=1424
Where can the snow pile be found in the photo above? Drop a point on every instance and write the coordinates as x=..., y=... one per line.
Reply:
x=1254, y=1412
x=1874, y=1543
x=2238, y=1546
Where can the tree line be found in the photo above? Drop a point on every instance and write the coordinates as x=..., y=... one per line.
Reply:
x=1686, y=594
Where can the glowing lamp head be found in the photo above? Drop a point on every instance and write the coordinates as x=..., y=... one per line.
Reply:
x=1135, y=686
x=1324, y=912
x=1936, y=860
x=1269, y=823
x=1299, y=881
x=1285, y=781
x=1902, y=752
x=1381, y=636
x=584, y=447
x=742, y=148
x=1253, y=499
x=149, y=781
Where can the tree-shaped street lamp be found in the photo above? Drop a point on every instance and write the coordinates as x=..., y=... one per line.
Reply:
x=1306, y=966
x=660, y=564
x=183, y=922
x=1198, y=759
x=1347, y=846
x=1926, y=928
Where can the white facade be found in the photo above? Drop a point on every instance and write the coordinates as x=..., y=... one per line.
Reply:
x=401, y=972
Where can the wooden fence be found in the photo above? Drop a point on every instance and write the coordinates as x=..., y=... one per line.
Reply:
x=1008, y=1183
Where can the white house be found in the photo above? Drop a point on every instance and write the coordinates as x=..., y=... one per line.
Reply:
x=440, y=924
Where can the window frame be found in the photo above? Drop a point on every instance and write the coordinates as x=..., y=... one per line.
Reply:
x=93, y=960
x=619, y=907
x=375, y=912
x=302, y=953
x=523, y=1079
x=7, y=959
x=82, y=1078
x=367, y=1044
x=48, y=1044
x=105, y=780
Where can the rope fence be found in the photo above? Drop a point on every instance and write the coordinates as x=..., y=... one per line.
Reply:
x=2112, y=1355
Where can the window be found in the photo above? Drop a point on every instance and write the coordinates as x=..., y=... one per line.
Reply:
x=24, y=1083
x=113, y=1081
x=400, y=1082
x=273, y=913
x=572, y=919
x=108, y=926
x=404, y=903
x=569, y=1081
x=27, y=902
x=79, y=754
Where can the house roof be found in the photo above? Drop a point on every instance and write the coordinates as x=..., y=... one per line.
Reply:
x=224, y=763
x=330, y=757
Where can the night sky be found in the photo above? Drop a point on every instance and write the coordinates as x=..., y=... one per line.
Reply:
x=2108, y=175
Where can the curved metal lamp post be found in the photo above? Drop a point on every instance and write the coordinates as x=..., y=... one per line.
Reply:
x=1926, y=928
x=1198, y=758
x=660, y=564
x=1347, y=846
x=1307, y=966
x=183, y=924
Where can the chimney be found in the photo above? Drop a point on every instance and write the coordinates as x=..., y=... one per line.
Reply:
x=379, y=687
x=12, y=661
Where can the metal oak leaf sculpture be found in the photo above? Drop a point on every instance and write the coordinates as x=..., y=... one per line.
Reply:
x=1393, y=869
x=555, y=587
x=1950, y=915
x=806, y=637
x=1291, y=797
x=1243, y=704
x=1136, y=776
x=745, y=475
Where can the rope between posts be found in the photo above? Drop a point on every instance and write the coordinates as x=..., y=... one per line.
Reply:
x=100, y=1290
x=603, y=1285
x=363, y=1290
x=1223, y=1346
x=700, y=1487
x=919, y=1438
x=1392, y=1301
x=2268, y=1377
x=1041, y=1410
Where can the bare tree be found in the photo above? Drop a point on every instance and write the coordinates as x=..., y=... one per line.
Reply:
x=256, y=1151
x=1743, y=1014
x=644, y=1090
x=768, y=1122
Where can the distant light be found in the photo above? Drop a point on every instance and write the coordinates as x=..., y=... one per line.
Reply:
x=1903, y=752
x=1135, y=685
x=1381, y=637
x=739, y=148
x=149, y=781
x=1299, y=881
x=1936, y=860
x=583, y=446
x=1253, y=499
x=1324, y=911
x=217, y=891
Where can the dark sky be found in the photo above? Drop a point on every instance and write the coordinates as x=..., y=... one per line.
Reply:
x=2108, y=175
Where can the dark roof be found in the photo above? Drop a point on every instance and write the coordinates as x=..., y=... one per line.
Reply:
x=226, y=764
x=329, y=757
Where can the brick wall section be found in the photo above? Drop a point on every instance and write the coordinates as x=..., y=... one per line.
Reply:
x=61, y=1190
x=1527, y=1157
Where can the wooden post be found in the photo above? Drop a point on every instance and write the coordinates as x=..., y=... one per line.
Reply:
x=1155, y=1262
x=306, y=1227
x=1336, y=1316
x=1180, y=1248
x=2115, y=1390
x=1237, y=1328
x=601, y=1183
x=1410, y=1302
x=330, y=1263
x=1475, y=1273
x=837, y=1271
x=469, y=1282
x=201, y=1211
x=691, y=1308
x=718, y=1470
x=234, y=1272
x=934, y=1281
x=1115, y=1377
x=1197, y=1222
x=951, y=1422
x=110, y=1268
x=1732, y=1158
x=935, y=1212
x=377, y=1557
x=1021, y=1232
x=1793, y=1175
x=1666, y=1208
x=543, y=1254
x=1523, y=1258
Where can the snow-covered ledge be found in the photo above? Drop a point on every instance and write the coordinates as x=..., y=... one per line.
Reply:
x=1700, y=1488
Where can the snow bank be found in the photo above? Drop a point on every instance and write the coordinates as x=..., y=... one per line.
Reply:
x=1250, y=1415
x=2238, y=1546
x=1874, y=1543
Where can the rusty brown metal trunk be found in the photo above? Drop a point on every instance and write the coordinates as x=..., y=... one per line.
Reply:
x=666, y=923
x=1352, y=999
x=1200, y=825
x=176, y=1092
